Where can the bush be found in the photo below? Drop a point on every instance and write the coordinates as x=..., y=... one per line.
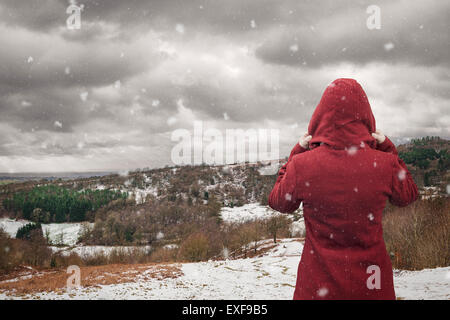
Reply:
x=195, y=248
x=417, y=236
x=26, y=232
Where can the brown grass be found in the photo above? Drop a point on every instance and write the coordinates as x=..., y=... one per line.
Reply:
x=92, y=276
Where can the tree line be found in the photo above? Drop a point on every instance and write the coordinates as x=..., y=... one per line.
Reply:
x=52, y=203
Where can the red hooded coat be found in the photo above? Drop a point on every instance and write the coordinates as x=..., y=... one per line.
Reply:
x=343, y=180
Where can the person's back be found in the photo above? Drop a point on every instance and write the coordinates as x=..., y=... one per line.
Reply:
x=343, y=180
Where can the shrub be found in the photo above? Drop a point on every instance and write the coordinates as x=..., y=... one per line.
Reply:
x=25, y=232
x=418, y=236
x=195, y=247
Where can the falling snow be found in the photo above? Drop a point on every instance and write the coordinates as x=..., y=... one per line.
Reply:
x=180, y=28
x=402, y=174
x=388, y=46
x=352, y=150
x=322, y=292
x=294, y=48
x=83, y=96
x=171, y=121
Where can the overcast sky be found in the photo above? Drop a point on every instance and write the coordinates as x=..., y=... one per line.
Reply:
x=109, y=95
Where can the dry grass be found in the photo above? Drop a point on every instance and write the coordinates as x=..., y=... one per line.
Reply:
x=27, y=281
x=418, y=236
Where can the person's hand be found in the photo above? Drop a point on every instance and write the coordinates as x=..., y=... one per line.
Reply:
x=379, y=136
x=304, y=140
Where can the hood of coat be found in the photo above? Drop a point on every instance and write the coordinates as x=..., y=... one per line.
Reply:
x=343, y=118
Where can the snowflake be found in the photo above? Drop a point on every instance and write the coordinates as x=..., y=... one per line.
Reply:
x=25, y=103
x=83, y=96
x=388, y=46
x=155, y=103
x=57, y=124
x=225, y=253
x=294, y=48
x=331, y=236
x=288, y=197
x=67, y=70
x=370, y=216
x=307, y=183
x=402, y=174
x=117, y=84
x=225, y=116
x=171, y=121
x=322, y=292
x=374, y=164
x=352, y=150
x=253, y=24
x=180, y=28
x=30, y=59
x=343, y=98
x=355, y=189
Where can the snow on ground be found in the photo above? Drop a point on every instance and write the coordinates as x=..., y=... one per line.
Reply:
x=10, y=226
x=269, y=276
x=247, y=212
x=430, y=284
x=89, y=251
x=59, y=233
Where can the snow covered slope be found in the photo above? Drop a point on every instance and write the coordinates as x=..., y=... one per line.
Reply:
x=59, y=233
x=269, y=276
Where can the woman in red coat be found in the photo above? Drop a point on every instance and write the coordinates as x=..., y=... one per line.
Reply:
x=343, y=177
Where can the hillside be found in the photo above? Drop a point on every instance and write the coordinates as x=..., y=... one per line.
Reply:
x=269, y=275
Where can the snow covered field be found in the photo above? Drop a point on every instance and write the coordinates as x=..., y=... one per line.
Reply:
x=59, y=233
x=89, y=251
x=247, y=212
x=269, y=276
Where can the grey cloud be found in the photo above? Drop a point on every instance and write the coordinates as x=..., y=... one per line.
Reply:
x=416, y=34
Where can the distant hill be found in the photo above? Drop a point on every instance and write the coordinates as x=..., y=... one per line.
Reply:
x=428, y=159
x=238, y=184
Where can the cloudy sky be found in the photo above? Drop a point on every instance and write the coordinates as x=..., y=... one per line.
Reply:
x=108, y=96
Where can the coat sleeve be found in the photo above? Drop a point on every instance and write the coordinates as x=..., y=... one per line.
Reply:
x=283, y=197
x=404, y=189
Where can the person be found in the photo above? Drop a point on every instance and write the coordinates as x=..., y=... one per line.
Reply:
x=343, y=170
